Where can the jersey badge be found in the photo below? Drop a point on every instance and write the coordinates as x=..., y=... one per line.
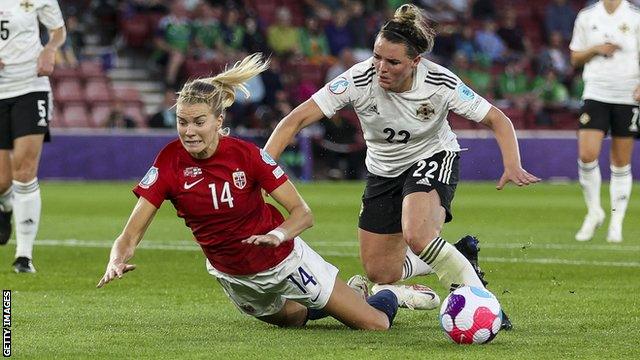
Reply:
x=267, y=158
x=278, y=172
x=425, y=111
x=584, y=118
x=27, y=5
x=339, y=85
x=239, y=179
x=465, y=93
x=150, y=178
x=192, y=172
x=624, y=28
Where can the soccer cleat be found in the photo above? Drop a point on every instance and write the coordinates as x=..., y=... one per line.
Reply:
x=469, y=246
x=5, y=227
x=360, y=285
x=23, y=265
x=614, y=235
x=591, y=222
x=414, y=297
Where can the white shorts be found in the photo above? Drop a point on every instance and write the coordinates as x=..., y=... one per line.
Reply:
x=304, y=277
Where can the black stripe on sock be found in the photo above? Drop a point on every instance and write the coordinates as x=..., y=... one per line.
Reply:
x=433, y=250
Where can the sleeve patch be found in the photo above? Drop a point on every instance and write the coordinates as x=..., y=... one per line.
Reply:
x=267, y=158
x=150, y=178
x=465, y=93
x=339, y=85
x=278, y=172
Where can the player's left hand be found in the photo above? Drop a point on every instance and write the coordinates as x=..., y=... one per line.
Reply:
x=115, y=270
x=636, y=94
x=518, y=176
x=46, y=61
x=263, y=240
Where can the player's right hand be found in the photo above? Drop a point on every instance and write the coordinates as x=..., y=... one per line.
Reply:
x=114, y=270
x=606, y=49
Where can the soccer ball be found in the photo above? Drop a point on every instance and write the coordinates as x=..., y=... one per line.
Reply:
x=470, y=315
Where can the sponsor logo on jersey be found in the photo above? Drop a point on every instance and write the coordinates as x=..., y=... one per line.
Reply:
x=584, y=118
x=188, y=186
x=239, y=179
x=373, y=109
x=425, y=111
x=267, y=158
x=339, y=85
x=278, y=172
x=465, y=93
x=192, y=171
x=150, y=178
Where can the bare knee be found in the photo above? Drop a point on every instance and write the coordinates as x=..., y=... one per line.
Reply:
x=588, y=156
x=383, y=275
x=24, y=173
x=418, y=240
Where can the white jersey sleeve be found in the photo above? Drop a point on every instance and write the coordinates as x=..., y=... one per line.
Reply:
x=50, y=15
x=466, y=103
x=579, y=39
x=343, y=90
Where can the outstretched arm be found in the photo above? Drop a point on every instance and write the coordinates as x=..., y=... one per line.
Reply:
x=47, y=57
x=302, y=116
x=497, y=121
x=299, y=219
x=125, y=245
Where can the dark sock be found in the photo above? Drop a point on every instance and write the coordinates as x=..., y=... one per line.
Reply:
x=385, y=301
x=316, y=314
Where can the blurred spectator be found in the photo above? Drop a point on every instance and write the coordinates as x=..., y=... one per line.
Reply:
x=556, y=57
x=233, y=31
x=513, y=35
x=445, y=44
x=118, y=119
x=446, y=11
x=106, y=14
x=166, y=117
x=357, y=25
x=338, y=33
x=559, y=16
x=282, y=37
x=466, y=43
x=344, y=63
x=489, y=42
x=172, y=40
x=272, y=81
x=68, y=53
x=313, y=42
x=343, y=148
x=548, y=94
x=483, y=9
x=253, y=40
x=513, y=85
x=475, y=77
x=207, y=32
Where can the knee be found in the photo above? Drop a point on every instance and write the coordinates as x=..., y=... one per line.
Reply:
x=25, y=172
x=383, y=276
x=588, y=155
x=418, y=240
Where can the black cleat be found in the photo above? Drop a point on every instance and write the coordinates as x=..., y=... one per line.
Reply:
x=5, y=227
x=469, y=246
x=23, y=265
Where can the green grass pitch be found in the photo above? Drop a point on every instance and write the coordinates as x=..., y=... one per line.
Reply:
x=567, y=299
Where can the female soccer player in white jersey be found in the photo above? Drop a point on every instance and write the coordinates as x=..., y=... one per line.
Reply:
x=215, y=181
x=402, y=101
x=606, y=40
x=25, y=105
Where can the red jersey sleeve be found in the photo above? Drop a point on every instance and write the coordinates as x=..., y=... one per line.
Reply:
x=266, y=171
x=155, y=186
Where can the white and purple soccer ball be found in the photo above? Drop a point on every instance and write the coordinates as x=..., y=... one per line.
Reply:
x=470, y=315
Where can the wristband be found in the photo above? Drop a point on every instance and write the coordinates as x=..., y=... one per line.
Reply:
x=277, y=232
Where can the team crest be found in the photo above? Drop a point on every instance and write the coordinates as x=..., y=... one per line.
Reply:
x=584, y=118
x=624, y=28
x=192, y=172
x=239, y=179
x=425, y=111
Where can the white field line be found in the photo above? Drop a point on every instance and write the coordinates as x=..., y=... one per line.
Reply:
x=185, y=246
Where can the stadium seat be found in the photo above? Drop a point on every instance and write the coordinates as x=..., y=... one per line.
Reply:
x=98, y=92
x=137, y=113
x=75, y=116
x=127, y=95
x=136, y=31
x=100, y=113
x=61, y=73
x=92, y=69
x=69, y=90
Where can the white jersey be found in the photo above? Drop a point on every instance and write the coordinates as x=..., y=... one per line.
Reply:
x=609, y=79
x=402, y=128
x=20, y=44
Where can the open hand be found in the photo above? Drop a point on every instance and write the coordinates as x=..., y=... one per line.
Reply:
x=115, y=269
x=263, y=240
x=518, y=176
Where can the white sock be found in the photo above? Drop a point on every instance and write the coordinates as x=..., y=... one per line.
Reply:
x=452, y=268
x=413, y=266
x=6, y=200
x=26, y=212
x=620, y=191
x=590, y=180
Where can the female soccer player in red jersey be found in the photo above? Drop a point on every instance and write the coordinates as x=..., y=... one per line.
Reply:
x=215, y=181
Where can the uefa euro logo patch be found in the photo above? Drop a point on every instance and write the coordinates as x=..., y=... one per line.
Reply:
x=267, y=158
x=150, y=178
x=339, y=85
x=465, y=93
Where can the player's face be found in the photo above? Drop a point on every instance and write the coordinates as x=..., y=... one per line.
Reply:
x=198, y=129
x=393, y=66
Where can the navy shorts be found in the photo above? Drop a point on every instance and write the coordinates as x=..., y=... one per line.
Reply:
x=381, y=211
x=24, y=115
x=621, y=120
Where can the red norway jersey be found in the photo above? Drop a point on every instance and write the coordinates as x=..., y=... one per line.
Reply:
x=220, y=200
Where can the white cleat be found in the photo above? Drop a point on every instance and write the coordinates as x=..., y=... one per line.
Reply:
x=614, y=235
x=360, y=285
x=414, y=297
x=591, y=222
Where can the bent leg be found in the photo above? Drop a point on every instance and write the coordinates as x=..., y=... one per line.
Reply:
x=292, y=314
x=382, y=256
